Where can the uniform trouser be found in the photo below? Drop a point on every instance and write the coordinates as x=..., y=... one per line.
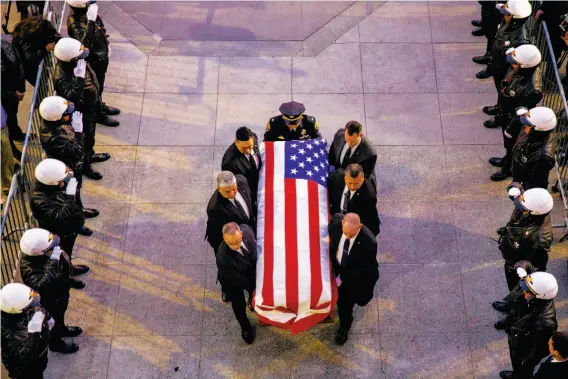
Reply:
x=14, y=130
x=239, y=305
x=30, y=373
x=345, y=304
x=67, y=242
x=8, y=161
x=100, y=68
x=78, y=200
x=57, y=310
x=499, y=72
x=490, y=19
x=89, y=130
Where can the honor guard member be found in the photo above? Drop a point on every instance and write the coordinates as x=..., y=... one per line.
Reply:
x=292, y=125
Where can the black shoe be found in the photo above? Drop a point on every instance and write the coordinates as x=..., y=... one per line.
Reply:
x=105, y=120
x=508, y=375
x=500, y=306
x=481, y=59
x=80, y=270
x=85, y=231
x=90, y=212
x=483, y=74
x=491, y=123
x=501, y=231
x=111, y=111
x=477, y=23
x=225, y=297
x=248, y=335
x=91, y=173
x=478, y=32
x=76, y=283
x=99, y=157
x=497, y=162
x=341, y=336
x=502, y=324
x=63, y=347
x=500, y=175
x=71, y=331
x=491, y=110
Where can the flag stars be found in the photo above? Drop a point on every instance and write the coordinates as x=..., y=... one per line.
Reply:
x=302, y=165
x=316, y=169
x=302, y=151
x=294, y=171
x=316, y=155
x=309, y=159
x=293, y=157
x=309, y=147
x=293, y=145
x=310, y=174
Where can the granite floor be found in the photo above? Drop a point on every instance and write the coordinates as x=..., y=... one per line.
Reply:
x=152, y=309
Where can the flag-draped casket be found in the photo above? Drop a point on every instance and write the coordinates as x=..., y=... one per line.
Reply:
x=294, y=286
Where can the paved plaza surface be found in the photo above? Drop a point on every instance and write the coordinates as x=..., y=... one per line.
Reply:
x=186, y=75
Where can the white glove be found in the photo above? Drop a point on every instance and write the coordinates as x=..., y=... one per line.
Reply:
x=81, y=68
x=77, y=122
x=514, y=192
x=56, y=253
x=50, y=323
x=109, y=52
x=71, y=187
x=507, y=43
x=507, y=134
x=36, y=323
x=522, y=273
x=522, y=111
x=92, y=12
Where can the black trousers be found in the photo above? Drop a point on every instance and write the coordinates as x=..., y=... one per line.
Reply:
x=490, y=17
x=57, y=310
x=100, y=67
x=78, y=200
x=67, y=242
x=30, y=373
x=14, y=131
x=345, y=305
x=89, y=130
x=239, y=305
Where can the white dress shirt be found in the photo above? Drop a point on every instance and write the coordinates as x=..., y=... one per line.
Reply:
x=344, y=150
x=343, y=197
x=255, y=157
x=241, y=201
x=339, y=253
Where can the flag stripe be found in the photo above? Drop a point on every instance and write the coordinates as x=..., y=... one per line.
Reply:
x=315, y=253
x=303, y=227
x=268, y=282
x=291, y=250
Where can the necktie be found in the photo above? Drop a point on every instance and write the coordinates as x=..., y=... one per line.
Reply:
x=244, y=250
x=241, y=209
x=252, y=161
x=347, y=197
x=346, y=157
x=345, y=252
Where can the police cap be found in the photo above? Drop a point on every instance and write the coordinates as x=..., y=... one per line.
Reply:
x=292, y=110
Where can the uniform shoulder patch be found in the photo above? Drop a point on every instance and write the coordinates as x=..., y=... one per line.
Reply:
x=316, y=126
x=267, y=126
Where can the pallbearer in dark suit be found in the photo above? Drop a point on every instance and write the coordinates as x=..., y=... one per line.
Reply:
x=353, y=253
x=243, y=157
x=351, y=146
x=236, y=262
x=349, y=191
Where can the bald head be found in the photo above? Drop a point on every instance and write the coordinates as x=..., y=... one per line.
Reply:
x=232, y=235
x=351, y=225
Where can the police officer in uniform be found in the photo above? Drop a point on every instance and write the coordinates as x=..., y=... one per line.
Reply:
x=490, y=18
x=292, y=125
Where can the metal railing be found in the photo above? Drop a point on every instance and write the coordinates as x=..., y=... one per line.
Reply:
x=17, y=216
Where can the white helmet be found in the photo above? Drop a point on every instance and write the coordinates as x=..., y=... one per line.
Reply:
x=542, y=119
x=50, y=171
x=537, y=201
x=78, y=3
x=69, y=49
x=526, y=56
x=35, y=241
x=15, y=297
x=516, y=8
x=53, y=108
x=541, y=284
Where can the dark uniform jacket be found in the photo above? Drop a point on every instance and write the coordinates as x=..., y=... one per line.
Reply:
x=517, y=90
x=277, y=130
x=235, y=270
x=49, y=277
x=533, y=158
x=237, y=163
x=552, y=370
x=62, y=143
x=363, y=202
x=55, y=211
x=361, y=270
x=13, y=74
x=92, y=34
x=529, y=335
x=84, y=92
x=23, y=352
x=511, y=34
x=365, y=155
x=221, y=211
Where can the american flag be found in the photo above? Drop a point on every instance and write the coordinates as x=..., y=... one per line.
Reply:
x=294, y=286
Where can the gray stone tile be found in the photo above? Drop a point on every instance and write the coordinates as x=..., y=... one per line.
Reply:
x=166, y=234
x=450, y=21
x=469, y=170
x=335, y=70
x=315, y=14
x=114, y=35
x=230, y=48
x=130, y=105
x=393, y=68
x=395, y=222
x=398, y=21
x=489, y=353
x=476, y=231
x=147, y=13
x=403, y=119
x=173, y=175
x=455, y=71
x=178, y=119
x=557, y=267
x=159, y=300
x=90, y=362
x=116, y=185
x=426, y=356
x=350, y=37
x=127, y=69
x=411, y=172
x=462, y=119
x=253, y=110
x=154, y=357
x=106, y=245
x=333, y=111
x=255, y=75
x=390, y=298
x=483, y=284
x=185, y=74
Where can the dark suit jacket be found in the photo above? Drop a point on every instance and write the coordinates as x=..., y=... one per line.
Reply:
x=361, y=270
x=237, y=163
x=363, y=202
x=221, y=211
x=365, y=155
x=237, y=271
